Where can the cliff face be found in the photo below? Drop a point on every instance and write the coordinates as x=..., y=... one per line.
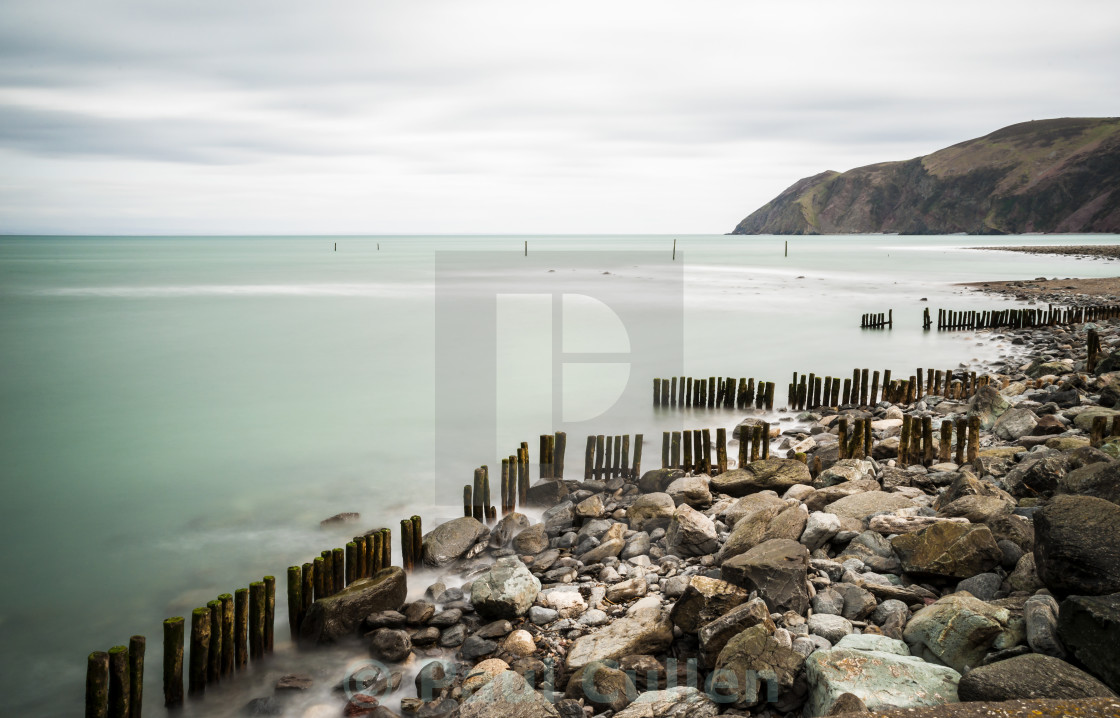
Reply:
x=1045, y=176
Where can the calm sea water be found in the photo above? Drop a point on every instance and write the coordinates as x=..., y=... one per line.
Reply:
x=178, y=414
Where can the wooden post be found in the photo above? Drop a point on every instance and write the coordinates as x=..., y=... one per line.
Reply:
x=904, y=441
x=307, y=592
x=721, y=450
x=842, y=437
x=707, y=452
x=946, y=441
x=545, y=468
x=589, y=458
x=351, y=550
x=744, y=456
x=847, y=398
x=973, y=438
x=295, y=582
x=625, y=468
x=97, y=685
x=241, y=625
x=601, y=453
x=756, y=441
x=868, y=440
x=608, y=453
x=962, y=440
x=506, y=501
x=523, y=474
x=329, y=586
x=787, y=248
x=200, y=649
x=1097, y=431
x=319, y=574
x=765, y=440
x=172, y=661
x=270, y=612
x=137, y=645
x=1094, y=347
x=686, y=459
x=417, y=540
x=863, y=387
x=560, y=444
x=617, y=463
x=1115, y=431
x=636, y=471
x=656, y=392
x=119, y=687
x=406, y=545
x=675, y=450
x=927, y=440
x=214, y=664
x=476, y=507
x=770, y=395
x=674, y=250
x=338, y=570
x=386, y=548
x=256, y=620
x=665, y=441
x=697, y=450
x=855, y=386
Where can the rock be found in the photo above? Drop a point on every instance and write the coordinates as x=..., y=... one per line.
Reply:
x=509, y=526
x=788, y=524
x=519, y=643
x=1084, y=420
x=777, y=569
x=507, y=590
x=679, y=702
x=546, y=493
x=948, y=550
x=873, y=550
x=419, y=612
x=829, y=627
x=432, y=679
x=651, y=511
x=760, y=507
x=384, y=619
x=966, y=484
x=862, y=505
x=1029, y=676
x=294, y=682
x=848, y=703
x=1036, y=477
x=559, y=519
x=691, y=490
x=453, y=636
x=773, y=474
x=704, y=600
x=507, y=695
x=1040, y=614
x=820, y=498
x=843, y=470
x=482, y=673
x=1076, y=551
x=988, y=405
x=475, y=647
x=531, y=541
x=755, y=651
x=391, y=645
x=657, y=480
x=1015, y=422
x=647, y=631
x=1089, y=627
x=601, y=686
x=591, y=507
x=346, y=517
x=541, y=615
x=959, y=630
x=628, y=590
x=858, y=601
x=605, y=550
x=636, y=545
x=983, y=586
x=567, y=602
x=1025, y=577
x=880, y=672
x=690, y=533
x=820, y=527
x=1101, y=480
x=715, y=634
x=450, y=541
x=334, y=617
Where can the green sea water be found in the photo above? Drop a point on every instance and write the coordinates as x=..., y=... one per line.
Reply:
x=177, y=414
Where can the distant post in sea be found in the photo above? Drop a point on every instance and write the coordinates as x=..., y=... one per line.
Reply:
x=526, y=248
x=787, y=247
x=674, y=250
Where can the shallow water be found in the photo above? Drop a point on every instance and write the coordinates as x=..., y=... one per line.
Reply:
x=178, y=414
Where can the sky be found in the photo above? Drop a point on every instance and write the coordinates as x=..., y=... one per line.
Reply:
x=483, y=117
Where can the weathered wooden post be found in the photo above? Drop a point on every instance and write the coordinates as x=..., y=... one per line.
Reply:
x=241, y=625
x=406, y=545
x=505, y=487
x=589, y=458
x=523, y=473
x=200, y=650
x=625, y=469
x=973, y=438
x=765, y=440
x=842, y=436
x=172, y=661
x=636, y=472
x=944, y=454
x=307, y=592
x=962, y=440
x=686, y=448
x=417, y=540
x=675, y=450
x=721, y=450
x=386, y=548
x=904, y=441
x=560, y=444
x=744, y=455
x=97, y=685
x=1097, y=430
x=338, y=570
x=1094, y=348
x=329, y=588
x=214, y=664
x=256, y=620
x=476, y=493
x=545, y=466
x=707, y=463
x=119, y=687
x=868, y=439
x=294, y=600
x=927, y=440
x=351, y=550
x=319, y=575
x=608, y=452
x=656, y=392
x=769, y=396
x=756, y=441
x=137, y=645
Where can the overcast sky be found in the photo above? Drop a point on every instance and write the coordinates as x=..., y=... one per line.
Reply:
x=469, y=116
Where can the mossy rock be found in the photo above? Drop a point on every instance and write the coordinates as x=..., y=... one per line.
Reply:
x=1066, y=443
x=1001, y=452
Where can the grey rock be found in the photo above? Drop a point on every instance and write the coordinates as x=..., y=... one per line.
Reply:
x=507, y=590
x=391, y=645
x=1030, y=676
x=777, y=569
x=690, y=533
x=507, y=695
x=1040, y=613
x=678, y=702
x=507, y=527
x=983, y=585
x=334, y=617
x=532, y=540
x=450, y=541
x=959, y=630
x=1089, y=627
x=651, y=511
x=830, y=627
x=1076, y=551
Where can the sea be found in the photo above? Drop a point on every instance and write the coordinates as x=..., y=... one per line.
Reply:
x=179, y=414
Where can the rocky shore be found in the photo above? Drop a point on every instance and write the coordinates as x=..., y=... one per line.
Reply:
x=1108, y=251
x=991, y=588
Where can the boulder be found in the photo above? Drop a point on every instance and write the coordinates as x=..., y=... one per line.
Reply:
x=546, y=493
x=507, y=695
x=1029, y=676
x=450, y=541
x=844, y=470
x=988, y=405
x=880, y=672
x=820, y=527
x=862, y=505
x=1040, y=614
x=1084, y=420
x=507, y=590
x=531, y=541
x=753, y=652
x=1015, y=422
x=1036, y=477
x=691, y=490
x=715, y=634
x=391, y=645
x=657, y=480
x=651, y=511
x=948, y=550
x=1076, y=551
x=1101, y=480
x=646, y=631
x=1025, y=576
x=690, y=533
x=334, y=617
x=762, y=506
x=509, y=526
x=959, y=630
x=591, y=507
x=787, y=524
x=482, y=673
x=777, y=569
x=773, y=474
x=1089, y=627
x=966, y=484
x=602, y=686
x=829, y=627
x=704, y=600
x=678, y=702
x=820, y=498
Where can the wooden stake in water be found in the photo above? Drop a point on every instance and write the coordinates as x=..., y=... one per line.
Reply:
x=904, y=441
x=306, y=592
x=295, y=583
x=559, y=446
x=137, y=645
x=172, y=661
x=973, y=438
x=119, y=687
x=351, y=562
x=842, y=436
x=675, y=450
x=319, y=574
x=256, y=620
x=338, y=570
x=200, y=651
x=406, y=544
x=636, y=471
x=97, y=685
x=269, y=612
x=766, y=439
x=417, y=540
x=214, y=665
x=386, y=548
x=476, y=506
x=241, y=625
x=721, y=450
x=945, y=448
x=674, y=250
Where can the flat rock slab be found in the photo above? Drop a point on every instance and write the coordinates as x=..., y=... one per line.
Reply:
x=1096, y=707
x=774, y=474
x=948, y=550
x=1030, y=676
x=648, y=631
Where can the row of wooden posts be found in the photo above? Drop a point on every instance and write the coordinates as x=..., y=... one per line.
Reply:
x=877, y=321
x=713, y=392
x=950, y=320
x=515, y=478
x=691, y=450
x=608, y=457
x=115, y=681
x=862, y=389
